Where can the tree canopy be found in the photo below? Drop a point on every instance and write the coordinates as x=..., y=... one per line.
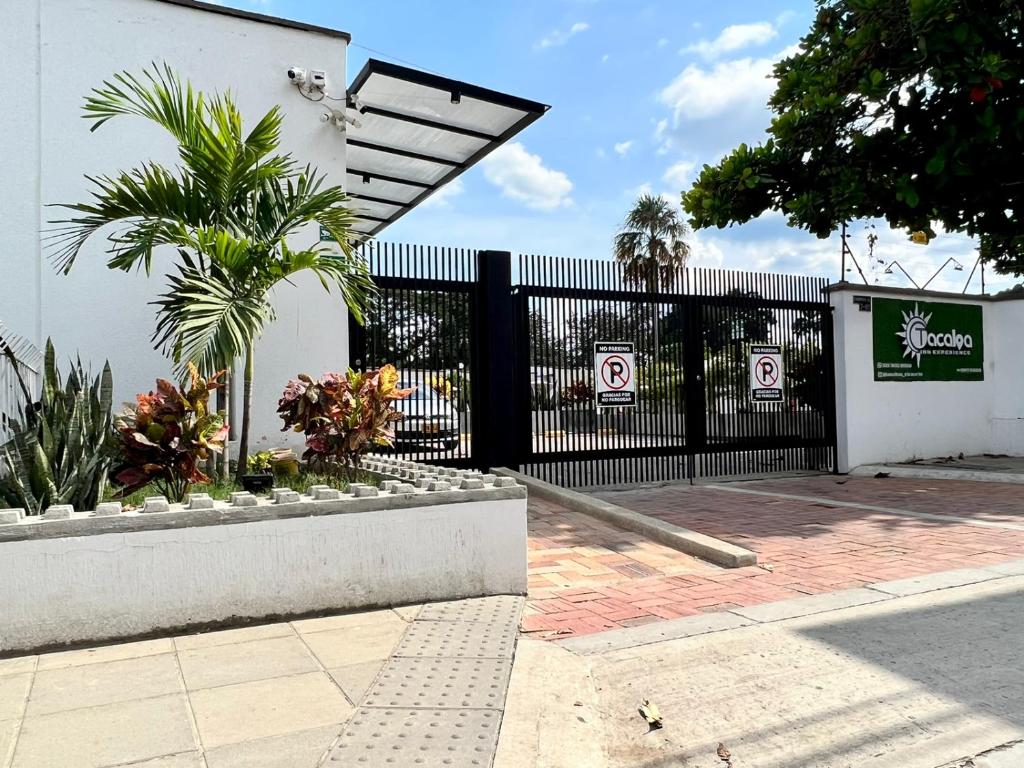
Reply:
x=907, y=110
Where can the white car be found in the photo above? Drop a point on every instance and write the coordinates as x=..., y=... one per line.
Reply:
x=428, y=420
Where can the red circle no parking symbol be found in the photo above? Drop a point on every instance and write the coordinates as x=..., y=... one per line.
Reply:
x=615, y=372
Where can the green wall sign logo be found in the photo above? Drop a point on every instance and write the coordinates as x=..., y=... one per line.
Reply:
x=927, y=341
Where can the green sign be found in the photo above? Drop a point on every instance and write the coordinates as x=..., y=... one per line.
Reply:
x=927, y=341
x=325, y=236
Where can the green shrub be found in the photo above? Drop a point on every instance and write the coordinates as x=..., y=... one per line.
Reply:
x=63, y=444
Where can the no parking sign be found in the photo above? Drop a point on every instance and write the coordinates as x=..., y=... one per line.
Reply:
x=614, y=372
x=766, y=373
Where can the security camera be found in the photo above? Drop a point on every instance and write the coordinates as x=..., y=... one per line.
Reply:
x=297, y=75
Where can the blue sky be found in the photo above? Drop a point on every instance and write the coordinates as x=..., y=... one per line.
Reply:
x=642, y=95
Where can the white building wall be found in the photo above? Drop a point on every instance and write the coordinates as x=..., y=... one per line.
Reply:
x=879, y=421
x=1008, y=383
x=63, y=49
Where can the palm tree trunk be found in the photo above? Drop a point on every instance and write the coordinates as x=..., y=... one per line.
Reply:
x=224, y=406
x=243, y=440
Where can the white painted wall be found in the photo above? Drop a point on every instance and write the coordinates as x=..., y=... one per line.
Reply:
x=879, y=421
x=118, y=585
x=1008, y=383
x=60, y=50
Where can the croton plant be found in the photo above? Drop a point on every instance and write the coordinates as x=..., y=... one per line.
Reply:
x=343, y=415
x=167, y=434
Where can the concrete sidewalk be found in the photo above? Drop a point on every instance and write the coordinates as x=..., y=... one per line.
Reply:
x=380, y=687
x=917, y=681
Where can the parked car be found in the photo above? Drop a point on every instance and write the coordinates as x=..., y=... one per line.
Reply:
x=428, y=420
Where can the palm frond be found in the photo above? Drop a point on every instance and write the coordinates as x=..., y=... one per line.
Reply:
x=345, y=271
x=205, y=320
x=160, y=96
x=155, y=206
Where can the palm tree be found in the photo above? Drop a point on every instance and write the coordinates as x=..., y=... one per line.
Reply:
x=229, y=209
x=651, y=248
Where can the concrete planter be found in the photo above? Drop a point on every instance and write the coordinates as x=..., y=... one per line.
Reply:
x=102, y=575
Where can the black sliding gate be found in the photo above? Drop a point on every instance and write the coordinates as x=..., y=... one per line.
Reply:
x=502, y=354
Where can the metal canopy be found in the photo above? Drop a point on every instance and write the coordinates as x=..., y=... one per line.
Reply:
x=415, y=132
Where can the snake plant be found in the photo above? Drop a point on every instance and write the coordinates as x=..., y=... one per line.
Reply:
x=62, y=445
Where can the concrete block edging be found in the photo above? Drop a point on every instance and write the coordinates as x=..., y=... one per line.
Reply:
x=683, y=539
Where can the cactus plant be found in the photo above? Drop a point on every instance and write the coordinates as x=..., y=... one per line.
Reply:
x=63, y=444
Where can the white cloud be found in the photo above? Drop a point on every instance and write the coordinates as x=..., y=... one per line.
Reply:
x=661, y=136
x=680, y=175
x=662, y=42
x=623, y=147
x=733, y=38
x=604, y=59
x=443, y=197
x=561, y=36
x=523, y=176
x=601, y=153
x=698, y=93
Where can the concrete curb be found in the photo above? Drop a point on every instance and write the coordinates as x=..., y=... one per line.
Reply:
x=877, y=593
x=692, y=543
x=927, y=472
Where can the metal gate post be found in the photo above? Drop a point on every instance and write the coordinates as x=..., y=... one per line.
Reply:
x=356, y=344
x=495, y=404
x=693, y=383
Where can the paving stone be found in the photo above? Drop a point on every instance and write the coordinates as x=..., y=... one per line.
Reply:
x=115, y=734
x=457, y=639
x=499, y=609
x=355, y=645
x=488, y=478
x=403, y=488
x=439, y=485
x=156, y=504
x=387, y=485
x=11, y=516
x=504, y=482
x=91, y=685
x=327, y=494
x=17, y=665
x=413, y=737
x=379, y=618
x=364, y=491
x=108, y=509
x=440, y=682
x=58, y=512
x=472, y=484
x=105, y=653
x=244, y=662
x=311, y=491
x=232, y=714
x=355, y=679
x=302, y=749
x=287, y=497
x=232, y=636
x=13, y=694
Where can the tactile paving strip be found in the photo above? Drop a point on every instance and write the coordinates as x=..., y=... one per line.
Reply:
x=418, y=737
x=458, y=639
x=490, y=610
x=428, y=683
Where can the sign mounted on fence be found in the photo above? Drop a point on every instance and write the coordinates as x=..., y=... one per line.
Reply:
x=927, y=341
x=614, y=372
x=766, y=373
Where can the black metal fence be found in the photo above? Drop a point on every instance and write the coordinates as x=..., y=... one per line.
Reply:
x=514, y=359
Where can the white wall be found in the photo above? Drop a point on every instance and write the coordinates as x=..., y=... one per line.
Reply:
x=122, y=584
x=1008, y=385
x=64, y=48
x=879, y=421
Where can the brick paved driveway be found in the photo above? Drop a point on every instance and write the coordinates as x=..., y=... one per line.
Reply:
x=586, y=576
